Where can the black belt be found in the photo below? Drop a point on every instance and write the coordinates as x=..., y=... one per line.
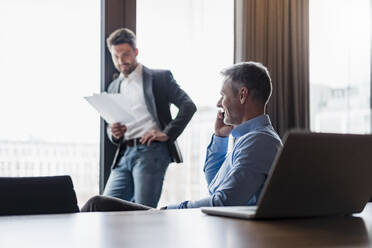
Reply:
x=136, y=142
x=133, y=142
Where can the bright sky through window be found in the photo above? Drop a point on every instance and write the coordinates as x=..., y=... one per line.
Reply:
x=49, y=61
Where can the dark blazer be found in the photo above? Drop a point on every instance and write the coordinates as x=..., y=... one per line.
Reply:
x=160, y=90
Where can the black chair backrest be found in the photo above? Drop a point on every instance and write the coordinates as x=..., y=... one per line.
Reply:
x=37, y=195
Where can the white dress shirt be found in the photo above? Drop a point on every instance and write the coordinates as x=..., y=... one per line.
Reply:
x=132, y=89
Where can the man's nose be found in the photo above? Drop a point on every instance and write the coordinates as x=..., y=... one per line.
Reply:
x=219, y=104
x=121, y=60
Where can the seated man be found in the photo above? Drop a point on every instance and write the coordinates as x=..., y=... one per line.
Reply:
x=234, y=178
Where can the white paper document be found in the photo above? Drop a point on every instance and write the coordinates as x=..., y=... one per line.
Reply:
x=112, y=107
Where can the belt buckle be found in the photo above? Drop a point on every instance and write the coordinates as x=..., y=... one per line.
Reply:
x=136, y=142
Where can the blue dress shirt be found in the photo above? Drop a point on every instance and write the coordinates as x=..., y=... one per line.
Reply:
x=237, y=178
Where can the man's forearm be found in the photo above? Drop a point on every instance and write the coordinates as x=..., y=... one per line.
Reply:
x=176, y=126
x=216, y=154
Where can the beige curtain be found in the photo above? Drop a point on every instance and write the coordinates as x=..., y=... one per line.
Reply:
x=276, y=33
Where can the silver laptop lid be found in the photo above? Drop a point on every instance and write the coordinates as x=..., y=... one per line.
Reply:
x=318, y=174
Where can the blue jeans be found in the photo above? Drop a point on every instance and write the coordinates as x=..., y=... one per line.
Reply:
x=139, y=175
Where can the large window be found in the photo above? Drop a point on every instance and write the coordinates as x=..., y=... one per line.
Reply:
x=49, y=61
x=340, y=66
x=195, y=40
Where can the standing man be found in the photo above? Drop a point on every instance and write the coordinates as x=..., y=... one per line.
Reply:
x=146, y=146
x=235, y=178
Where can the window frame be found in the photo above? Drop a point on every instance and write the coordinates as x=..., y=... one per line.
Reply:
x=114, y=14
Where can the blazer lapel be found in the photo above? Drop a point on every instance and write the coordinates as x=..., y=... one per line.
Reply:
x=148, y=93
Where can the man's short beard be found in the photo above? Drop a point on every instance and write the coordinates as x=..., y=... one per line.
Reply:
x=131, y=69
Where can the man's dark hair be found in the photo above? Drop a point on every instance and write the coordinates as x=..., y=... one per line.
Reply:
x=252, y=75
x=121, y=36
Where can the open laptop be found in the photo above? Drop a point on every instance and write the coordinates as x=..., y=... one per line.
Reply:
x=314, y=174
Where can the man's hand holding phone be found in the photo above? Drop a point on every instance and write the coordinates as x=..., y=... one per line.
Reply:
x=220, y=128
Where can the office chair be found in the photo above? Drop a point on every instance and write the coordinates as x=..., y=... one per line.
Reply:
x=37, y=195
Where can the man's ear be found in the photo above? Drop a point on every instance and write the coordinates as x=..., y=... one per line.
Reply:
x=109, y=48
x=243, y=95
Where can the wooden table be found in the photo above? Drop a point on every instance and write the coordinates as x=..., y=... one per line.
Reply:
x=181, y=228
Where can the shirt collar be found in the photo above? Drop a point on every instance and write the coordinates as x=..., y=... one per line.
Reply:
x=134, y=74
x=250, y=125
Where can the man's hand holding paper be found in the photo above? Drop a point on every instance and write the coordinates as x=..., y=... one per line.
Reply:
x=118, y=130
